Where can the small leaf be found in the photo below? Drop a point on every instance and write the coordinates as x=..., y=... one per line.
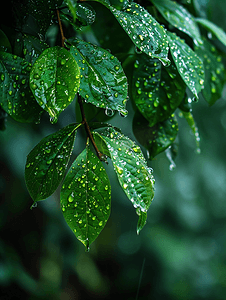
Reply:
x=15, y=95
x=103, y=81
x=156, y=138
x=86, y=197
x=47, y=162
x=134, y=176
x=217, y=31
x=179, y=17
x=214, y=71
x=54, y=80
x=144, y=31
x=157, y=91
x=188, y=64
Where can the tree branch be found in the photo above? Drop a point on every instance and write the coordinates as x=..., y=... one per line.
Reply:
x=61, y=29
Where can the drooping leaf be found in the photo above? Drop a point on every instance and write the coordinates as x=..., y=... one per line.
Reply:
x=134, y=176
x=157, y=91
x=179, y=17
x=188, y=64
x=103, y=81
x=214, y=71
x=15, y=95
x=144, y=31
x=155, y=138
x=54, y=80
x=217, y=31
x=47, y=162
x=86, y=197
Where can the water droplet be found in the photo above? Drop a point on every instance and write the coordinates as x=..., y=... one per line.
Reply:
x=125, y=186
x=100, y=223
x=116, y=68
x=109, y=112
x=70, y=198
x=63, y=62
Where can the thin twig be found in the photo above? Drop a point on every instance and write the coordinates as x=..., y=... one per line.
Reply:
x=89, y=134
x=61, y=29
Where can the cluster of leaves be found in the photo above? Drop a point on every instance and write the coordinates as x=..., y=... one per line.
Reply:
x=170, y=65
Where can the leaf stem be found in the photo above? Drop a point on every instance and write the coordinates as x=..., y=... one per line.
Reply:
x=61, y=29
x=88, y=131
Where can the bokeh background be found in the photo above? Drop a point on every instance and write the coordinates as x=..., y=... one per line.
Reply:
x=180, y=253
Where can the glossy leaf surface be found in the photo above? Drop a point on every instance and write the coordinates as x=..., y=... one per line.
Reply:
x=156, y=138
x=86, y=197
x=54, y=80
x=217, y=31
x=156, y=90
x=47, y=162
x=134, y=176
x=15, y=95
x=144, y=31
x=179, y=17
x=188, y=64
x=103, y=81
x=214, y=71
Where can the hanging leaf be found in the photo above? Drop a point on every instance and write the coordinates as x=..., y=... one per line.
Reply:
x=157, y=91
x=214, y=71
x=188, y=64
x=103, y=81
x=155, y=138
x=15, y=95
x=86, y=197
x=54, y=80
x=47, y=162
x=144, y=31
x=179, y=17
x=134, y=176
x=217, y=31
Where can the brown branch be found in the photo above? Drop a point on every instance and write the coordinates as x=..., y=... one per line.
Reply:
x=89, y=134
x=61, y=29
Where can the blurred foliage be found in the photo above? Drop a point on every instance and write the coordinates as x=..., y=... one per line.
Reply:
x=180, y=254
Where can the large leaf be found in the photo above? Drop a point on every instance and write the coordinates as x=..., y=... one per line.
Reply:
x=188, y=64
x=157, y=91
x=179, y=17
x=47, y=162
x=103, y=81
x=217, y=31
x=157, y=138
x=214, y=71
x=144, y=31
x=86, y=197
x=15, y=95
x=54, y=80
x=134, y=176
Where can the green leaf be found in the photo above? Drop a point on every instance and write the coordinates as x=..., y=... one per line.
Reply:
x=15, y=95
x=214, y=71
x=47, y=162
x=134, y=176
x=33, y=47
x=188, y=64
x=85, y=14
x=103, y=81
x=72, y=5
x=86, y=197
x=54, y=80
x=217, y=31
x=144, y=31
x=179, y=17
x=4, y=42
x=157, y=91
x=157, y=138
x=171, y=154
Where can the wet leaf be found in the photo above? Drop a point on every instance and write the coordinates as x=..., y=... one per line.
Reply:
x=157, y=138
x=15, y=95
x=47, y=162
x=134, y=176
x=214, y=71
x=188, y=64
x=157, y=91
x=103, y=81
x=179, y=17
x=86, y=197
x=144, y=31
x=54, y=80
x=217, y=31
